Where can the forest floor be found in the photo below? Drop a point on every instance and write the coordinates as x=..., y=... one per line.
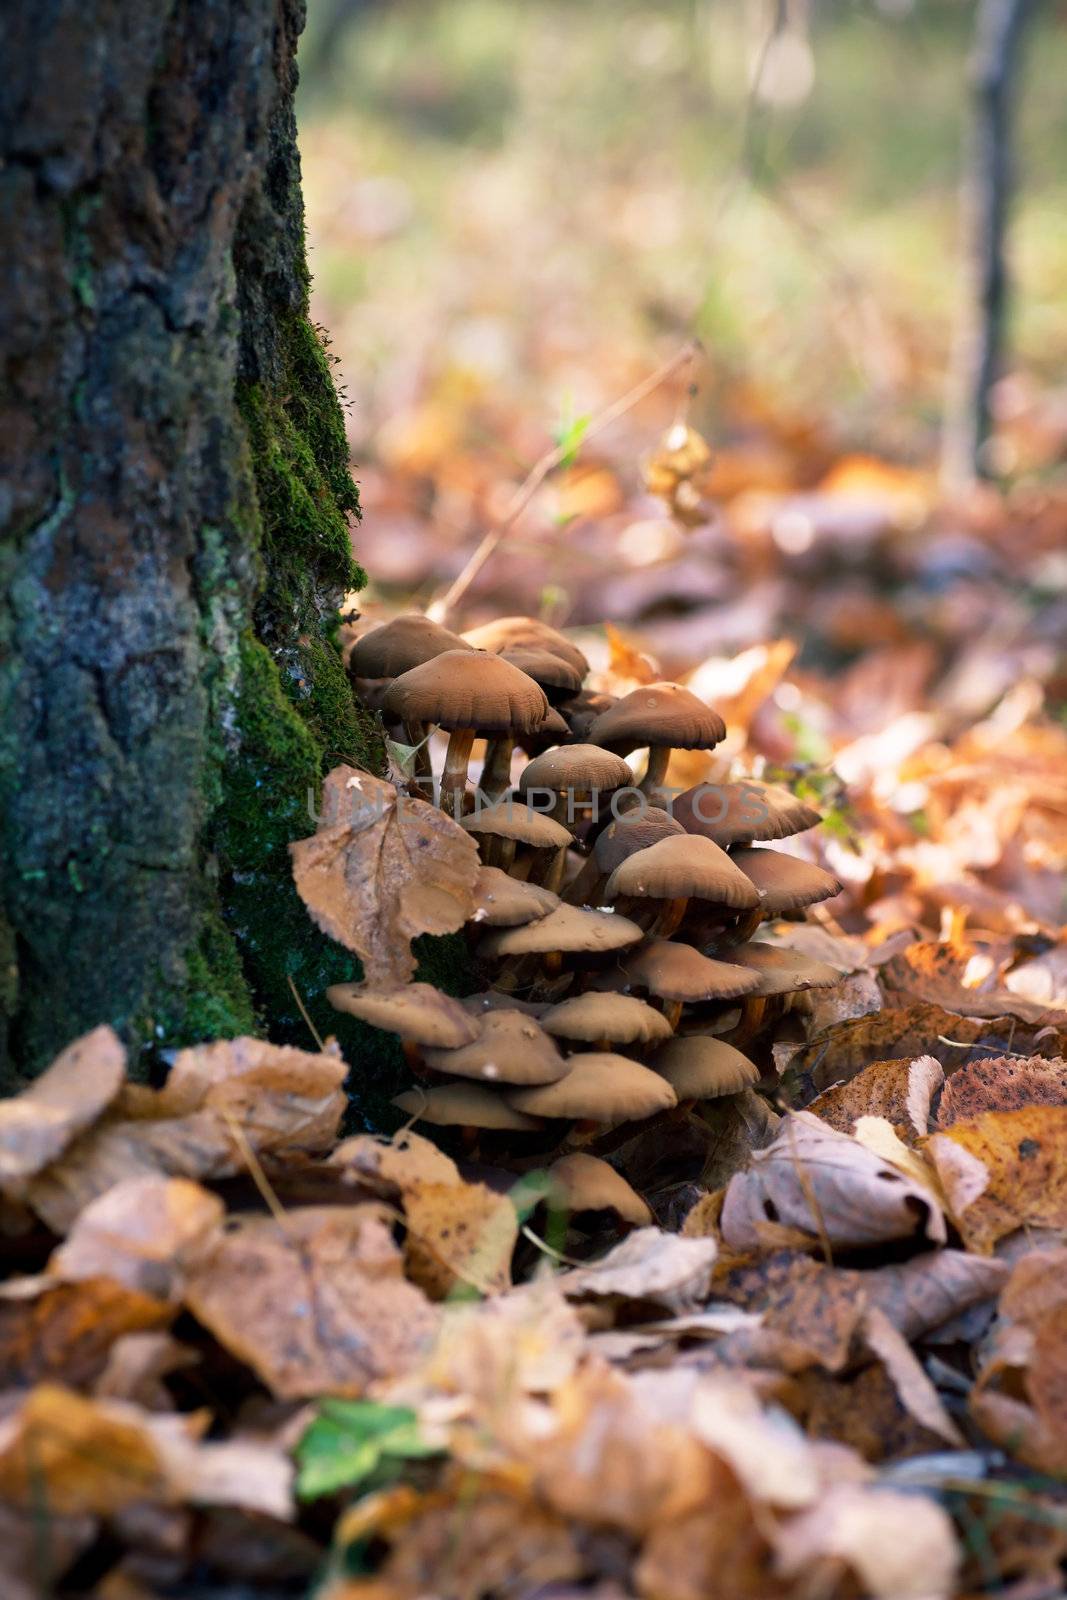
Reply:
x=826, y=1357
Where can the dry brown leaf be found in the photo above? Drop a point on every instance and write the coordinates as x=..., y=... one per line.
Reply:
x=1020, y=1398
x=737, y=1124
x=933, y=972
x=317, y=1305
x=862, y=1410
x=37, y=1125
x=663, y=1268
x=1004, y=1170
x=381, y=869
x=920, y=1295
x=52, y=1330
x=1002, y=1083
x=394, y=1165
x=241, y=1093
x=763, y=1447
x=810, y=1312
x=139, y=1234
x=916, y=1030
x=459, y=1234
x=77, y=1456
x=526, y=1342
x=890, y=1089
x=826, y=1184
x=717, y=1549
x=136, y=1365
x=917, y=1393
x=881, y=1139
x=900, y=1546
x=601, y=1456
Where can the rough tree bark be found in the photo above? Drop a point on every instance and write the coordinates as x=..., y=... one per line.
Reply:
x=175, y=518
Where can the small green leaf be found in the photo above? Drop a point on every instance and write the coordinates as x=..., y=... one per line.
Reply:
x=350, y=1440
x=569, y=433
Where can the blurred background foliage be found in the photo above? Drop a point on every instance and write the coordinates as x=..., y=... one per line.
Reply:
x=508, y=200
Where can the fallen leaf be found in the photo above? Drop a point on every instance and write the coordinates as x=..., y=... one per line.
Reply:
x=139, y=1234
x=917, y=1393
x=720, y=1548
x=900, y=1546
x=394, y=1165
x=1020, y=1397
x=37, y=1125
x=648, y=1265
x=381, y=869
x=65, y=1331
x=316, y=1306
x=77, y=1456
x=1001, y=1083
x=933, y=972
x=459, y=1235
x=1004, y=1170
x=826, y=1184
x=916, y=1030
x=32, y=1566
x=810, y=1311
x=762, y=1445
x=889, y=1089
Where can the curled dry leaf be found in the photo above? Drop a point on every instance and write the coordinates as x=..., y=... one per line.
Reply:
x=934, y=973
x=396, y=1165
x=1004, y=1170
x=763, y=1446
x=381, y=869
x=916, y=1030
x=528, y=1341
x=139, y=1234
x=226, y=1096
x=899, y=1546
x=917, y=1394
x=315, y=1305
x=1002, y=1083
x=37, y=1125
x=649, y=1265
x=827, y=1184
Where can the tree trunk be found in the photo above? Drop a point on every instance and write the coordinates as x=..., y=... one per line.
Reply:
x=175, y=529
x=988, y=187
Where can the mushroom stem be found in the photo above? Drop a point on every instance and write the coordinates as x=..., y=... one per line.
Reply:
x=454, y=776
x=753, y=1008
x=422, y=781
x=586, y=888
x=496, y=773
x=669, y=918
x=672, y=1010
x=659, y=757
x=743, y=928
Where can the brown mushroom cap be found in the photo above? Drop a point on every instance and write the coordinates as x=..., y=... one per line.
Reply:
x=503, y=902
x=507, y=633
x=468, y=689
x=783, y=971
x=699, y=1067
x=581, y=768
x=397, y=646
x=675, y=971
x=604, y=1015
x=634, y=830
x=464, y=1105
x=599, y=1087
x=736, y=813
x=512, y=818
x=658, y=714
x=684, y=866
x=418, y=1012
x=585, y=1183
x=568, y=928
x=496, y=1000
x=784, y=882
x=552, y=729
x=510, y=1048
x=557, y=677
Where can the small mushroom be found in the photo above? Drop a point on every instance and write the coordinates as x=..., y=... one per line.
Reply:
x=567, y=929
x=699, y=1067
x=418, y=1012
x=676, y=870
x=602, y=1018
x=582, y=710
x=738, y=813
x=663, y=717
x=582, y=1182
x=465, y=1105
x=518, y=633
x=634, y=830
x=500, y=828
x=510, y=1048
x=503, y=902
x=574, y=773
x=394, y=648
x=780, y=970
x=679, y=975
x=466, y=692
x=559, y=678
x=599, y=1087
x=785, y=882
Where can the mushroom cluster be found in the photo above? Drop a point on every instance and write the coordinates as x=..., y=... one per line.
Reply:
x=616, y=918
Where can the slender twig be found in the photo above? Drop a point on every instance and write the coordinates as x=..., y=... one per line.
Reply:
x=441, y=609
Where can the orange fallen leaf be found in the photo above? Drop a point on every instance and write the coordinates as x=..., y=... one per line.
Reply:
x=459, y=1234
x=139, y=1234
x=381, y=869
x=1004, y=1170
